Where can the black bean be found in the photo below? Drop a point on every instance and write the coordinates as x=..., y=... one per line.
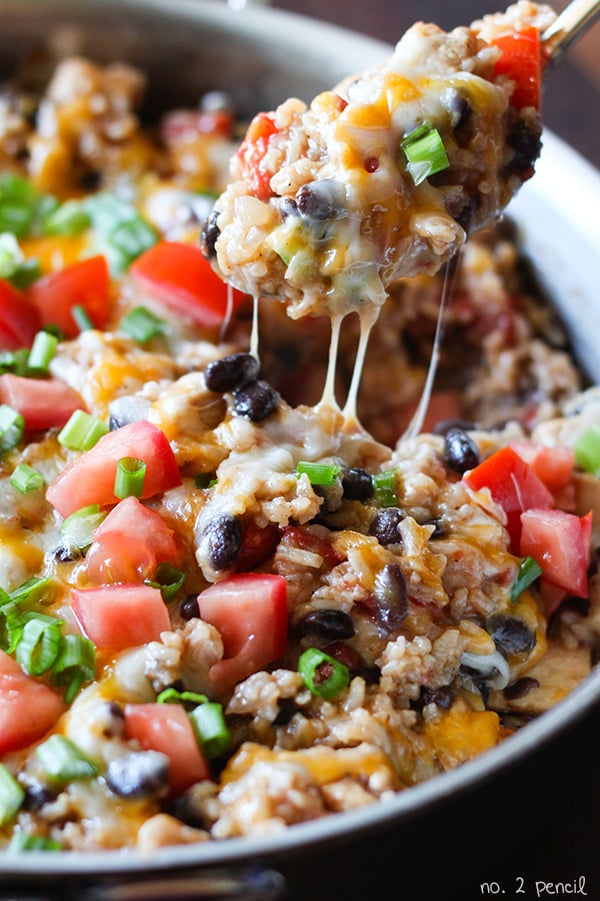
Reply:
x=255, y=401
x=63, y=554
x=357, y=484
x=223, y=537
x=114, y=722
x=334, y=624
x=460, y=451
x=391, y=598
x=231, y=372
x=37, y=794
x=520, y=688
x=442, y=697
x=287, y=709
x=511, y=635
x=524, y=136
x=209, y=235
x=457, y=106
x=287, y=206
x=321, y=200
x=385, y=525
x=138, y=775
x=189, y=608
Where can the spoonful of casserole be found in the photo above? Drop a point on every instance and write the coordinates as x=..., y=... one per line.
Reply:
x=385, y=176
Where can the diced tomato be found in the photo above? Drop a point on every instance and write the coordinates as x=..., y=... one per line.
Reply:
x=129, y=545
x=560, y=543
x=179, y=276
x=513, y=485
x=19, y=319
x=552, y=596
x=86, y=284
x=167, y=728
x=28, y=708
x=184, y=124
x=44, y=403
x=250, y=612
x=554, y=465
x=521, y=61
x=303, y=538
x=252, y=151
x=120, y=616
x=90, y=478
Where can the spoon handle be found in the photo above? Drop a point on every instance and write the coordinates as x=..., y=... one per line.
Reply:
x=573, y=21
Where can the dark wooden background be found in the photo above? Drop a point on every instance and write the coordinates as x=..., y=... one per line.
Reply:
x=552, y=843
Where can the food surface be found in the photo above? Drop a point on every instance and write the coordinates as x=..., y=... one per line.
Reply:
x=386, y=175
x=226, y=606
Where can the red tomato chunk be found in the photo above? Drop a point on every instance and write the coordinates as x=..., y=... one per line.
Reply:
x=129, y=545
x=181, y=278
x=250, y=612
x=120, y=616
x=168, y=729
x=19, y=319
x=28, y=708
x=43, y=403
x=90, y=478
x=560, y=543
x=85, y=284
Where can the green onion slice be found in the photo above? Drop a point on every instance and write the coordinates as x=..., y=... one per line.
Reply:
x=319, y=473
x=25, y=478
x=130, y=476
x=425, y=152
x=322, y=674
x=68, y=219
x=42, y=351
x=11, y=255
x=12, y=796
x=529, y=570
x=169, y=579
x=173, y=696
x=39, y=644
x=78, y=528
x=384, y=488
x=82, y=318
x=17, y=204
x=63, y=761
x=82, y=431
x=75, y=664
x=12, y=426
x=22, y=842
x=204, y=479
x=587, y=450
x=141, y=325
x=211, y=729
x=25, y=274
x=31, y=590
x=14, y=361
x=12, y=622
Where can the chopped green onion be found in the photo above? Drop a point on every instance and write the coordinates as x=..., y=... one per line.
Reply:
x=82, y=431
x=25, y=478
x=82, y=318
x=42, y=351
x=39, y=645
x=12, y=426
x=17, y=204
x=319, y=473
x=211, y=729
x=27, y=273
x=529, y=570
x=142, y=325
x=204, y=479
x=31, y=590
x=322, y=674
x=22, y=842
x=130, y=476
x=587, y=450
x=106, y=212
x=4, y=598
x=75, y=664
x=78, y=528
x=14, y=361
x=12, y=796
x=13, y=623
x=384, y=488
x=11, y=255
x=173, y=696
x=69, y=219
x=131, y=238
x=63, y=761
x=425, y=152
x=123, y=234
x=169, y=579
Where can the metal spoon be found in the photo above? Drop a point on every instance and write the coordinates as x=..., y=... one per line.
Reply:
x=570, y=24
